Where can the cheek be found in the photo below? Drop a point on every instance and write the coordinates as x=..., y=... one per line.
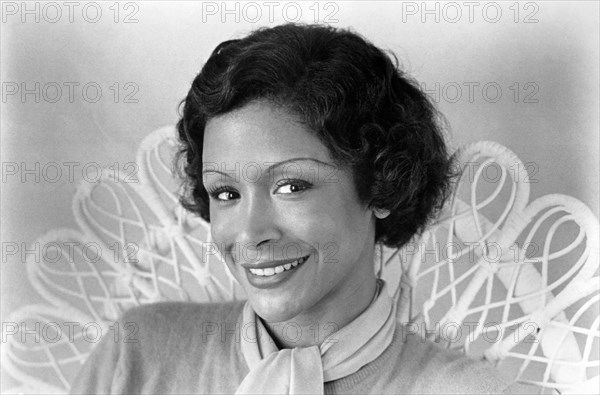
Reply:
x=220, y=232
x=327, y=225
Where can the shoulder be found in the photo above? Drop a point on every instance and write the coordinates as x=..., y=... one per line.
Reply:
x=169, y=322
x=156, y=315
x=159, y=348
x=441, y=370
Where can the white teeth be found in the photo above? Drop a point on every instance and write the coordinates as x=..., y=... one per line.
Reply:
x=299, y=261
x=271, y=271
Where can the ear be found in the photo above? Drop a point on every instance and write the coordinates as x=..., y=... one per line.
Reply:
x=381, y=213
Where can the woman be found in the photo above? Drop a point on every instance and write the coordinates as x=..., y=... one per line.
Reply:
x=303, y=146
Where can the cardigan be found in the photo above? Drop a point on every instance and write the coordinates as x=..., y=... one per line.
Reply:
x=194, y=348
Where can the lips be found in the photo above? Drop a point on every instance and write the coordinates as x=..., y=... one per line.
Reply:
x=273, y=275
x=271, y=271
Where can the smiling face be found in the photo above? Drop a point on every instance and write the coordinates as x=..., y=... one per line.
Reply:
x=276, y=196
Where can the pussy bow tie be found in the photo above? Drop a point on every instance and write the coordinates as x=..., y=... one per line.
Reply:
x=304, y=370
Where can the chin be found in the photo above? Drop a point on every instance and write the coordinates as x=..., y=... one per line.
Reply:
x=273, y=311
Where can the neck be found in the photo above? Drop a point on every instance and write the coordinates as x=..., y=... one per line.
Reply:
x=332, y=314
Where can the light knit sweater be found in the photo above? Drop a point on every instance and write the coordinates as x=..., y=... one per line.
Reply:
x=190, y=348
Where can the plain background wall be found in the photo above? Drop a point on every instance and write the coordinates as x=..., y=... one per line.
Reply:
x=160, y=54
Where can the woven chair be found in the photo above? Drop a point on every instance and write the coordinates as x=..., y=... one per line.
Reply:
x=497, y=276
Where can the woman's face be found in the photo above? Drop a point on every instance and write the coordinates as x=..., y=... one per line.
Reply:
x=276, y=197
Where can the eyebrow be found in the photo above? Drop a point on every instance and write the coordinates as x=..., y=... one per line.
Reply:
x=275, y=165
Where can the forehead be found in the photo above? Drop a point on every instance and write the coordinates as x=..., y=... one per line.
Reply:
x=259, y=133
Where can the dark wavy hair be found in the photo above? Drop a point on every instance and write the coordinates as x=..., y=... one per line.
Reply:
x=373, y=118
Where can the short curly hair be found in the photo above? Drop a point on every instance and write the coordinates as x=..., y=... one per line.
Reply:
x=372, y=117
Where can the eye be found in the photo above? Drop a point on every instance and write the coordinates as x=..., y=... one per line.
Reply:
x=292, y=186
x=222, y=193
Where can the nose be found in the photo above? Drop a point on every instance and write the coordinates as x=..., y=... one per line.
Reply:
x=257, y=223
